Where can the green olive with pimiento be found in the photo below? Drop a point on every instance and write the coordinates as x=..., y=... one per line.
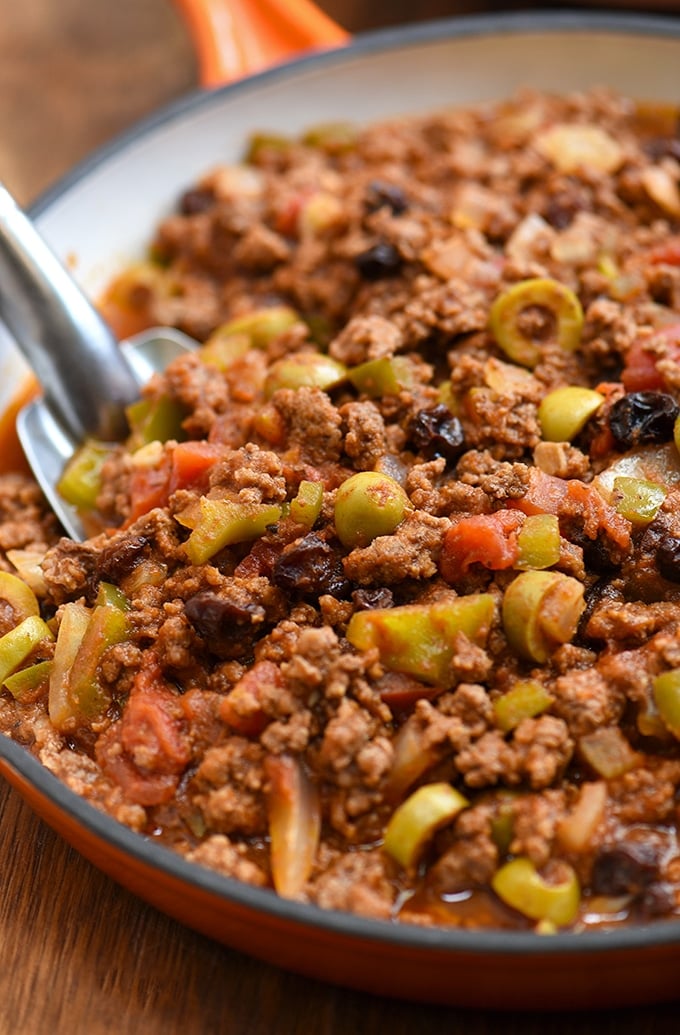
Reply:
x=367, y=505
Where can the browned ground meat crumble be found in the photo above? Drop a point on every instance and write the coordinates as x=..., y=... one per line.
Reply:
x=238, y=718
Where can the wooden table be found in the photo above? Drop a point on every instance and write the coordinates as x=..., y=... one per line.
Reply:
x=77, y=953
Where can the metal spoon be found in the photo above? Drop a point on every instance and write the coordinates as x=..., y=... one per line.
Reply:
x=87, y=376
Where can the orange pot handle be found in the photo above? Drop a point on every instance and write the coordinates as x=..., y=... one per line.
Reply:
x=234, y=38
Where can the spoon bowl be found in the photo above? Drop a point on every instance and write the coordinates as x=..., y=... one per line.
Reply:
x=88, y=377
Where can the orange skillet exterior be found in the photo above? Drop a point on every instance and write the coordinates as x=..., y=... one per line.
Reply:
x=506, y=981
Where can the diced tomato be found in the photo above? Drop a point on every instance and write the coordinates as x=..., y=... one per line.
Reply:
x=242, y=707
x=667, y=253
x=149, y=488
x=545, y=494
x=147, y=750
x=603, y=442
x=141, y=788
x=598, y=514
x=186, y=467
x=287, y=218
x=191, y=464
x=550, y=495
x=488, y=539
x=640, y=373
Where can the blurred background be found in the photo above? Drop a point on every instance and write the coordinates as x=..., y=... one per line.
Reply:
x=74, y=73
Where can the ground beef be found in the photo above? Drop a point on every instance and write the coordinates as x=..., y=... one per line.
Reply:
x=411, y=552
x=476, y=640
x=586, y=701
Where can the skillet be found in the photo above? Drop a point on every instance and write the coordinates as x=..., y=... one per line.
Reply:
x=459, y=61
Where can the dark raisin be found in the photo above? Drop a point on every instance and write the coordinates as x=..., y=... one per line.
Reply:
x=668, y=558
x=657, y=900
x=197, y=200
x=663, y=147
x=381, y=260
x=380, y=194
x=224, y=622
x=643, y=417
x=625, y=869
x=369, y=599
x=437, y=432
x=310, y=568
x=562, y=207
x=596, y=556
x=116, y=561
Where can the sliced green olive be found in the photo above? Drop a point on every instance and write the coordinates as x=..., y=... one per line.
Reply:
x=519, y=884
x=155, y=420
x=18, y=595
x=417, y=819
x=261, y=143
x=109, y=595
x=666, y=692
x=26, y=680
x=333, y=137
x=304, y=370
x=503, y=821
x=80, y=482
x=419, y=639
x=222, y=523
x=387, y=375
x=541, y=611
x=539, y=542
x=87, y=697
x=306, y=506
x=367, y=505
x=222, y=348
x=17, y=644
x=261, y=327
x=523, y=701
x=557, y=299
x=637, y=499
x=74, y=621
x=565, y=411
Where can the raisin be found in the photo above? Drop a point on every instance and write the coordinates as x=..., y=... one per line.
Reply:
x=626, y=869
x=668, y=558
x=225, y=624
x=437, y=432
x=641, y=417
x=663, y=147
x=195, y=201
x=657, y=900
x=381, y=260
x=119, y=559
x=380, y=194
x=310, y=568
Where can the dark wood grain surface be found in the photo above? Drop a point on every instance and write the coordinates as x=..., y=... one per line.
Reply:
x=77, y=953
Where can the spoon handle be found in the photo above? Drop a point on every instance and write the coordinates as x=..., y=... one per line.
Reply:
x=234, y=38
x=71, y=349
